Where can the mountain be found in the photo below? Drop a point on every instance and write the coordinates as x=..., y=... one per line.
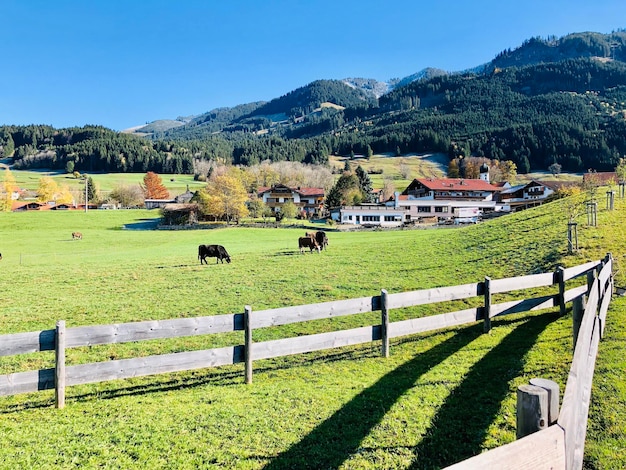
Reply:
x=548, y=101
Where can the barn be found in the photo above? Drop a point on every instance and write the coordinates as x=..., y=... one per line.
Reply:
x=180, y=214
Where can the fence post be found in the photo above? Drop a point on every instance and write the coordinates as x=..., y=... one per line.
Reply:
x=487, y=308
x=59, y=367
x=532, y=410
x=578, y=309
x=248, y=342
x=384, y=302
x=560, y=279
x=553, y=397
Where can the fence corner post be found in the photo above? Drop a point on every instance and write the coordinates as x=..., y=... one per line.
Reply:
x=553, y=397
x=59, y=365
x=487, y=307
x=560, y=279
x=532, y=410
x=384, y=302
x=248, y=342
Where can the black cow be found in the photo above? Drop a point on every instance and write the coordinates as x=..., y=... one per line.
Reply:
x=320, y=237
x=213, y=251
x=308, y=242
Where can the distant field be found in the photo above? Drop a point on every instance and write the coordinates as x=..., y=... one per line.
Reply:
x=105, y=182
x=346, y=408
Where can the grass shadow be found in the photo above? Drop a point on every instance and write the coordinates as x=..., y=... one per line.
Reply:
x=460, y=426
x=339, y=436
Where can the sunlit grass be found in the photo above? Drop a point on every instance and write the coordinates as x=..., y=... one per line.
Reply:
x=438, y=399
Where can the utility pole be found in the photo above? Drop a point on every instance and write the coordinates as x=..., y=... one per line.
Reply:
x=86, y=193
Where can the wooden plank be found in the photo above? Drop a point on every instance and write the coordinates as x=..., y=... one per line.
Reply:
x=317, y=342
x=157, y=329
x=149, y=365
x=524, y=305
x=434, y=295
x=433, y=322
x=604, y=308
x=23, y=343
x=521, y=282
x=606, y=273
x=542, y=450
x=25, y=382
x=576, y=271
x=300, y=313
x=571, y=294
x=575, y=405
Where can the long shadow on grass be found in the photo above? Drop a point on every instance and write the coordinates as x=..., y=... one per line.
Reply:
x=333, y=441
x=460, y=425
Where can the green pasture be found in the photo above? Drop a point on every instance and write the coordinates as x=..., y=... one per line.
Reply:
x=105, y=182
x=438, y=399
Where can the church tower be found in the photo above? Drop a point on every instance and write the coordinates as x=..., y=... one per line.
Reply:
x=484, y=172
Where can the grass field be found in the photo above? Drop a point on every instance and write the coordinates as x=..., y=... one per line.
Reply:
x=438, y=399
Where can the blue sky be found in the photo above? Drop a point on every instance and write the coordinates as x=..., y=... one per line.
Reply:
x=123, y=63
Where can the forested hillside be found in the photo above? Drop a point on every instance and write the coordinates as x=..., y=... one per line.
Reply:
x=549, y=101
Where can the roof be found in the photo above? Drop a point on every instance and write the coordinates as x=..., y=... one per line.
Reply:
x=180, y=207
x=601, y=177
x=299, y=190
x=456, y=184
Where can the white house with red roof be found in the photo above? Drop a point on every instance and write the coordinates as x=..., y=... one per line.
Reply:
x=307, y=200
x=447, y=198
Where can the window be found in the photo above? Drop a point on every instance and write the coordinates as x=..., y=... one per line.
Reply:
x=441, y=209
x=371, y=218
x=393, y=218
x=423, y=208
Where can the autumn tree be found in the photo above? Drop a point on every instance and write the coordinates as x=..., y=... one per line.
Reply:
x=47, y=189
x=224, y=196
x=7, y=188
x=153, y=187
x=128, y=196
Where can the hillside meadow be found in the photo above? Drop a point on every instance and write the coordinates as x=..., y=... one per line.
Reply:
x=438, y=399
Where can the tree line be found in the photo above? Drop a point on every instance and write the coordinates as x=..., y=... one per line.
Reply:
x=571, y=113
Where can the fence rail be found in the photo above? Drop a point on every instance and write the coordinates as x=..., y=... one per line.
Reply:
x=562, y=444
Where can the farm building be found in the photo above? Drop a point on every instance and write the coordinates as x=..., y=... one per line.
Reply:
x=180, y=214
x=372, y=215
x=309, y=200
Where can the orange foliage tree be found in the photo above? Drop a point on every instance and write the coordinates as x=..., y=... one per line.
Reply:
x=153, y=187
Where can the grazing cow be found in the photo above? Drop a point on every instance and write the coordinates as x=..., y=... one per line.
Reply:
x=77, y=236
x=308, y=242
x=213, y=251
x=320, y=237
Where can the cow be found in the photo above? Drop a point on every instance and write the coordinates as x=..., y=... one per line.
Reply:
x=77, y=236
x=320, y=237
x=213, y=251
x=308, y=242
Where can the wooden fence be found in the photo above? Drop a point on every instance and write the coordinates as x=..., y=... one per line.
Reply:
x=562, y=444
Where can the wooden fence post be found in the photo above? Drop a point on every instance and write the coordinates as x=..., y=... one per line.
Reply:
x=248, y=342
x=384, y=303
x=487, y=308
x=532, y=410
x=59, y=367
x=578, y=309
x=560, y=279
x=553, y=397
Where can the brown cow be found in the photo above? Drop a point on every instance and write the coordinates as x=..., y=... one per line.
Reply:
x=320, y=237
x=308, y=242
x=77, y=236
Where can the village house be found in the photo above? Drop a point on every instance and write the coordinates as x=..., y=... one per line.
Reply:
x=527, y=195
x=447, y=198
x=309, y=201
x=371, y=215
